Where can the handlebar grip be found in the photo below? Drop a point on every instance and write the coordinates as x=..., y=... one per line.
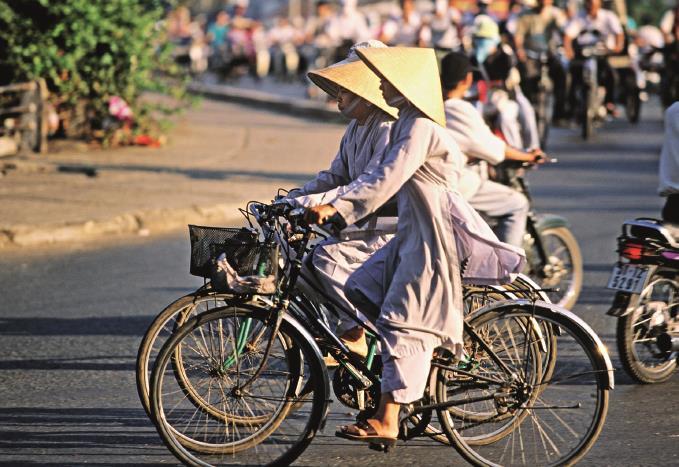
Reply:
x=336, y=221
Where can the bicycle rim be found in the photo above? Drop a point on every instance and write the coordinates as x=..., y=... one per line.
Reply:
x=206, y=343
x=564, y=417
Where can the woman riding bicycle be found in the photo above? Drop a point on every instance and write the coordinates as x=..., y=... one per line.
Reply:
x=362, y=148
x=411, y=288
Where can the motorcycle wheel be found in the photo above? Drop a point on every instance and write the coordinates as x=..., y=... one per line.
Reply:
x=642, y=360
x=564, y=265
x=632, y=100
x=587, y=114
x=544, y=106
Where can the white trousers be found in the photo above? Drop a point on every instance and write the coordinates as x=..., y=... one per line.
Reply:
x=508, y=206
x=404, y=377
x=331, y=264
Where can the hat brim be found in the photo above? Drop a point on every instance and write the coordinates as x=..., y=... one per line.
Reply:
x=355, y=77
x=414, y=72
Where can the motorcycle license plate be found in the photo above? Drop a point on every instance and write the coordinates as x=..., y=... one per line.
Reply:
x=628, y=278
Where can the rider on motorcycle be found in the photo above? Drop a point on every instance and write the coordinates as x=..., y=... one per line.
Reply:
x=500, y=78
x=596, y=20
x=669, y=166
x=535, y=31
x=480, y=146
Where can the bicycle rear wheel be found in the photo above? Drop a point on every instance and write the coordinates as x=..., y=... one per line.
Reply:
x=235, y=423
x=562, y=416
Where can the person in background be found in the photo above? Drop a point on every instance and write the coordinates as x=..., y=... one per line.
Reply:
x=481, y=147
x=320, y=41
x=607, y=24
x=283, y=40
x=669, y=24
x=411, y=288
x=496, y=64
x=536, y=31
x=348, y=26
x=438, y=30
x=218, y=31
x=669, y=167
x=403, y=28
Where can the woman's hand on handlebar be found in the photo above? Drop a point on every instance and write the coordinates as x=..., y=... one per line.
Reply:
x=319, y=214
x=539, y=157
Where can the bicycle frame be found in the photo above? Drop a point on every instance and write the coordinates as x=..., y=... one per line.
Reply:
x=307, y=313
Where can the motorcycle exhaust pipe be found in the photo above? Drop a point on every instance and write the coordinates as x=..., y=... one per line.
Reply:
x=667, y=343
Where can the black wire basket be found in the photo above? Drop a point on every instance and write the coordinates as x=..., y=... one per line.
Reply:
x=240, y=245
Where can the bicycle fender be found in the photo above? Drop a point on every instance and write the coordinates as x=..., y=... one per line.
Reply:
x=551, y=221
x=561, y=315
x=297, y=327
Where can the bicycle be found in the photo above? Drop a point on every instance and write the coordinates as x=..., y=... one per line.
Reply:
x=303, y=387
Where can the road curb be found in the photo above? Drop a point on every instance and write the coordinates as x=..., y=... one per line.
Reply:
x=290, y=105
x=140, y=223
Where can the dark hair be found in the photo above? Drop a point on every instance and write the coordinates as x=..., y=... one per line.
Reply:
x=454, y=69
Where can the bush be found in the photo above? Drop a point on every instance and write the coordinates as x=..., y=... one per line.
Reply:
x=89, y=51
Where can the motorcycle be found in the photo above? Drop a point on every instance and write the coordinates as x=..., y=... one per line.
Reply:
x=553, y=255
x=646, y=303
x=540, y=91
x=590, y=107
x=589, y=95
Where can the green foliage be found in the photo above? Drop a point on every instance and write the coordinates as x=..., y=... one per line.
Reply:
x=651, y=9
x=88, y=51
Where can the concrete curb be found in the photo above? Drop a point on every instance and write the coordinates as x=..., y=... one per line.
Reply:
x=273, y=102
x=140, y=223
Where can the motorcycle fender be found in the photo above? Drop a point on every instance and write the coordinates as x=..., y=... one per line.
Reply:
x=623, y=304
x=606, y=378
x=551, y=221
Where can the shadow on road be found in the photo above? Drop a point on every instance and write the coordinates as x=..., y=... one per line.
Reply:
x=85, y=326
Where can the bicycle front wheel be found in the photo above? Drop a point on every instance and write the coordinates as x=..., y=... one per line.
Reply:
x=247, y=381
x=162, y=327
x=561, y=417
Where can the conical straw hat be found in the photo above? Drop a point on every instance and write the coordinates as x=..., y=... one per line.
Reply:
x=414, y=72
x=355, y=76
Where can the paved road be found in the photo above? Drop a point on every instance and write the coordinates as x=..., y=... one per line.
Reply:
x=71, y=321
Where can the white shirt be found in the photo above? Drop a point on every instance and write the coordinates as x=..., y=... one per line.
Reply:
x=669, y=156
x=475, y=140
x=667, y=22
x=606, y=22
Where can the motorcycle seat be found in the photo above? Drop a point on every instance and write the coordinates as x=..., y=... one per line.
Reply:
x=654, y=229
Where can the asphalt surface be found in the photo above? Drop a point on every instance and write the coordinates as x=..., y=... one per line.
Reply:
x=71, y=321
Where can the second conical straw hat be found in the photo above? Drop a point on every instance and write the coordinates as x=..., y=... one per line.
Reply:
x=355, y=76
x=414, y=72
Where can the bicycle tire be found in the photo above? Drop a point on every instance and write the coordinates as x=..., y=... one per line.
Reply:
x=296, y=349
x=572, y=264
x=579, y=376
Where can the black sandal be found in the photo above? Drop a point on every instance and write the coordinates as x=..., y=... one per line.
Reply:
x=376, y=441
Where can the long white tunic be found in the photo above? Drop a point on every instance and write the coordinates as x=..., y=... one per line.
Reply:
x=422, y=299
x=361, y=150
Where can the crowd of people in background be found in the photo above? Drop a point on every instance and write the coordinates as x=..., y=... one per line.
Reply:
x=229, y=42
